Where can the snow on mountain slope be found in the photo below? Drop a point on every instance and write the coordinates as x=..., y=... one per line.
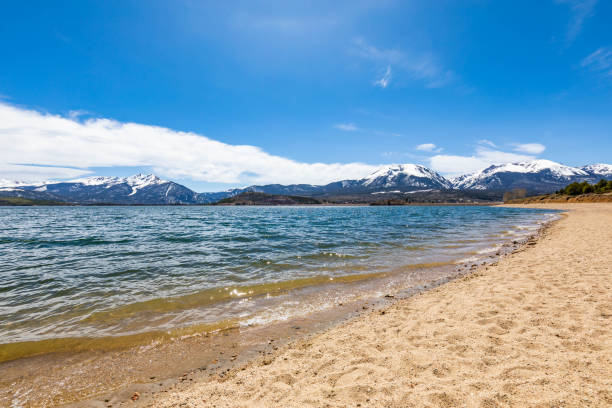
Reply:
x=137, y=181
x=537, y=166
x=598, y=169
x=137, y=189
x=404, y=175
x=539, y=176
x=141, y=181
x=7, y=184
x=546, y=173
x=96, y=181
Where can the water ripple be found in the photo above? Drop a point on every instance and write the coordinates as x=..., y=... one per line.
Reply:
x=62, y=265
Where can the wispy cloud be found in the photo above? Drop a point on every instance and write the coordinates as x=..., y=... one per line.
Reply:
x=581, y=10
x=347, y=127
x=31, y=173
x=486, y=142
x=422, y=67
x=599, y=61
x=428, y=147
x=31, y=140
x=75, y=114
x=385, y=80
x=285, y=24
x=529, y=148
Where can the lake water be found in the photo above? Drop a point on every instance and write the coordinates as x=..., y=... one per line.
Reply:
x=97, y=272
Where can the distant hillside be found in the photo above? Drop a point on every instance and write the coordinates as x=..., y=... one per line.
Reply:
x=562, y=198
x=405, y=182
x=138, y=189
x=600, y=192
x=253, y=198
x=536, y=177
x=417, y=197
x=20, y=201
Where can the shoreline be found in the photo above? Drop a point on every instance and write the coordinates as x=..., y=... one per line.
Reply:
x=209, y=354
x=216, y=353
x=325, y=204
x=325, y=368
x=109, y=336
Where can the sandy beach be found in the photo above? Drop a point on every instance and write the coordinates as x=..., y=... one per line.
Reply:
x=533, y=330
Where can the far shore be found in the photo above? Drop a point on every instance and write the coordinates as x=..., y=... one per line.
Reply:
x=324, y=204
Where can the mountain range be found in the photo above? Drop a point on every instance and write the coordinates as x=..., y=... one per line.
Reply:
x=537, y=177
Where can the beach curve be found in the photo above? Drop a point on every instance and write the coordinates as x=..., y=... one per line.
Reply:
x=533, y=330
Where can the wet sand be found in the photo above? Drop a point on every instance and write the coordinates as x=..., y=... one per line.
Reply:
x=533, y=330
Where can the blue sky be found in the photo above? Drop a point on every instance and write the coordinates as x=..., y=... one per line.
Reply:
x=221, y=94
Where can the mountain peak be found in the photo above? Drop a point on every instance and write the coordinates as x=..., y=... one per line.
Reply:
x=4, y=183
x=94, y=180
x=542, y=164
x=599, y=169
x=137, y=179
x=408, y=175
x=394, y=169
x=529, y=173
x=143, y=178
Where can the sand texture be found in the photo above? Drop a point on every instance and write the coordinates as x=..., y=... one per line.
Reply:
x=534, y=330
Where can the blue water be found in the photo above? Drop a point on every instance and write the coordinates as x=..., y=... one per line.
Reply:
x=87, y=271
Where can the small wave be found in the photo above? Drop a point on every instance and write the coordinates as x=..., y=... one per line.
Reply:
x=124, y=272
x=217, y=295
x=41, y=243
x=13, y=351
x=241, y=238
x=326, y=256
x=470, y=259
x=415, y=247
x=487, y=250
x=527, y=227
x=179, y=239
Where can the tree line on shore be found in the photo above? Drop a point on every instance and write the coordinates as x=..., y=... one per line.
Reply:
x=574, y=189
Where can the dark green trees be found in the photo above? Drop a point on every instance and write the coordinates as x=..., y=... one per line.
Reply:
x=602, y=186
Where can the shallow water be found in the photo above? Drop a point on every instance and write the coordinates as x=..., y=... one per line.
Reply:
x=74, y=272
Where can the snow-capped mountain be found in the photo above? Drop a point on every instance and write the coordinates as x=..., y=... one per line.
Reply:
x=397, y=178
x=535, y=176
x=538, y=176
x=8, y=184
x=405, y=177
x=136, y=182
x=137, y=189
x=598, y=170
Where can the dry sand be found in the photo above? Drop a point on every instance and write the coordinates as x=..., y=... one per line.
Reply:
x=534, y=330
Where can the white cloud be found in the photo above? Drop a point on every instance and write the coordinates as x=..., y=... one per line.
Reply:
x=75, y=114
x=529, y=148
x=581, y=10
x=32, y=173
x=426, y=147
x=599, y=61
x=385, y=80
x=423, y=67
x=486, y=142
x=34, y=139
x=347, y=127
x=453, y=165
